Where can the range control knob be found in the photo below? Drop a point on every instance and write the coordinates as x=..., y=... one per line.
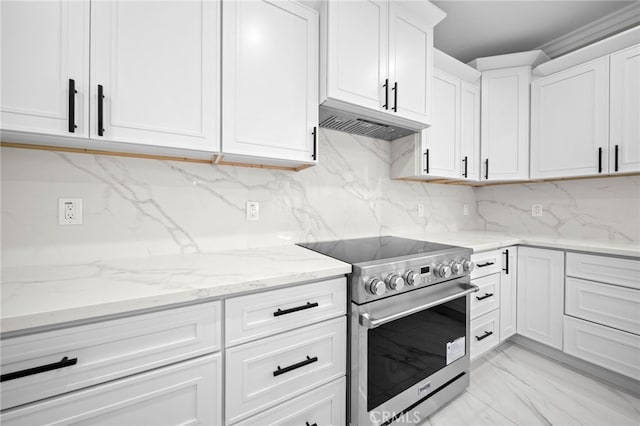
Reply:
x=394, y=282
x=375, y=287
x=456, y=268
x=412, y=278
x=468, y=265
x=443, y=271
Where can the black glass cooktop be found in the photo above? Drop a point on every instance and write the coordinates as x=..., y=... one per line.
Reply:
x=362, y=250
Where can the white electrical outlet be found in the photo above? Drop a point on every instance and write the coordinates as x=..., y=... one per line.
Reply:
x=536, y=210
x=69, y=211
x=420, y=210
x=253, y=211
x=465, y=209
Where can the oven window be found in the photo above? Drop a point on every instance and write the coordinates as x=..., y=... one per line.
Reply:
x=405, y=351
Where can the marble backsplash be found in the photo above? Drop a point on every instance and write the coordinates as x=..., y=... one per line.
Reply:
x=137, y=207
x=596, y=209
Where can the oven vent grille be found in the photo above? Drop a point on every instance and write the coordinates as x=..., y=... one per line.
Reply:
x=359, y=126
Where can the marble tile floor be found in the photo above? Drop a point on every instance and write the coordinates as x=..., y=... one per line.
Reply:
x=512, y=385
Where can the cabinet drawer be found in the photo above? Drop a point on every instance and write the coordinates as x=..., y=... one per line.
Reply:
x=322, y=406
x=485, y=333
x=610, y=305
x=487, y=263
x=609, y=348
x=488, y=297
x=612, y=270
x=263, y=314
x=185, y=393
x=273, y=370
x=107, y=350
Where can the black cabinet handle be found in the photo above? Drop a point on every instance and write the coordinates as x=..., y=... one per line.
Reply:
x=486, y=168
x=506, y=262
x=100, y=110
x=64, y=362
x=600, y=160
x=426, y=161
x=482, y=265
x=465, y=160
x=386, y=94
x=485, y=335
x=395, y=97
x=314, y=424
x=616, y=155
x=307, y=361
x=486, y=296
x=72, y=106
x=309, y=305
x=315, y=143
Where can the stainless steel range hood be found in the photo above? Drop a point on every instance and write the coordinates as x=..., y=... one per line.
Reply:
x=359, y=124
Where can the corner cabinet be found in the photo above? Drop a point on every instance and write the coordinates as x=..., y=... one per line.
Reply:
x=504, y=137
x=377, y=55
x=270, y=74
x=540, y=306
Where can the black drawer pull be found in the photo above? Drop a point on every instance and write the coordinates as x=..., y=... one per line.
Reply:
x=485, y=335
x=386, y=94
x=64, y=362
x=314, y=424
x=426, y=161
x=486, y=168
x=315, y=143
x=100, y=110
x=506, y=262
x=617, y=153
x=482, y=265
x=307, y=361
x=486, y=296
x=465, y=160
x=600, y=160
x=72, y=106
x=309, y=305
x=395, y=97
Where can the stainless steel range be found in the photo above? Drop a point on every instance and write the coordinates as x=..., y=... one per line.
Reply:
x=409, y=326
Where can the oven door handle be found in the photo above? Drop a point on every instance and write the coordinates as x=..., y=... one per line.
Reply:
x=367, y=321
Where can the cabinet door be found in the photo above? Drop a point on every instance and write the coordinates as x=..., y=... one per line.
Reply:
x=443, y=137
x=541, y=295
x=569, y=118
x=270, y=74
x=44, y=45
x=188, y=392
x=410, y=61
x=625, y=110
x=508, y=292
x=158, y=66
x=505, y=124
x=357, y=49
x=470, y=131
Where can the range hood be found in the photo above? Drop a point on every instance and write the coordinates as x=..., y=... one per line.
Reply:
x=360, y=122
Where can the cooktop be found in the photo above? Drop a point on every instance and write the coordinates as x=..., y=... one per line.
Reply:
x=360, y=250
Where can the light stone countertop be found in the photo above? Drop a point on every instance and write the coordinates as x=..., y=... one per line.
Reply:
x=40, y=296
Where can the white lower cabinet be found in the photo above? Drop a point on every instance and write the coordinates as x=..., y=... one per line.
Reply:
x=185, y=393
x=485, y=333
x=485, y=303
x=541, y=295
x=325, y=405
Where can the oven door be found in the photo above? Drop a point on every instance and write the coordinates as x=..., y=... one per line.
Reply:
x=407, y=346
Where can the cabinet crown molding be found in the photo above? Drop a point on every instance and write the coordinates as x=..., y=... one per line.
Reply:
x=452, y=66
x=531, y=58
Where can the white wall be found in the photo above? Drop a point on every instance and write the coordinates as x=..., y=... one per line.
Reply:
x=602, y=209
x=136, y=207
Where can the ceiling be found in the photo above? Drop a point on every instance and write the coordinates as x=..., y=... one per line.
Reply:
x=475, y=29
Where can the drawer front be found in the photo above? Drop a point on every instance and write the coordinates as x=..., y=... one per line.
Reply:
x=609, y=348
x=485, y=333
x=185, y=393
x=488, y=297
x=487, y=263
x=322, y=406
x=107, y=350
x=267, y=372
x=610, y=305
x=611, y=270
x=264, y=314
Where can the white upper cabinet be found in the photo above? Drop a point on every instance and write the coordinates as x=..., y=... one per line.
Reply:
x=470, y=131
x=270, y=74
x=44, y=54
x=154, y=73
x=624, y=152
x=377, y=56
x=569, y=122
x=505, y=124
